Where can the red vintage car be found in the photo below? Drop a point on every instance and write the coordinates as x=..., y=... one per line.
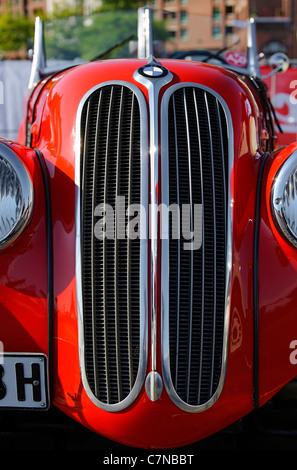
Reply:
x=148, y=237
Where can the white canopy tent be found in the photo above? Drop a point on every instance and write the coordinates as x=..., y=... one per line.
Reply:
x=14, y=80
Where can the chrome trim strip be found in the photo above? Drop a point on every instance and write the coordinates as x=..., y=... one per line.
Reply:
x=15, y=162
x=143, y=251
x=165, y=254
x=154, y=85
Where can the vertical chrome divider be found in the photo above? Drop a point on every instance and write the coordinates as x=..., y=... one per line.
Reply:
x=153, y=76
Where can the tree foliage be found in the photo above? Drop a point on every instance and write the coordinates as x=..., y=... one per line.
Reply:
x=110, y=5
x=87, y=37
x=69, y=34
x=15, y=32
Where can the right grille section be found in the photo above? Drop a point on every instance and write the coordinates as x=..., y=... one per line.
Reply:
x=198, y=176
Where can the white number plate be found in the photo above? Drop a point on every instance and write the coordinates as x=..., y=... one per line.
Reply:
x=23, y=381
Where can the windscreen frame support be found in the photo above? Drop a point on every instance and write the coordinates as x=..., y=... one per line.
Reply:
x=39, y=60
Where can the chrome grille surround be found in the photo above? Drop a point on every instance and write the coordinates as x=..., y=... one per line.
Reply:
x=183, y=399
x=135, y=387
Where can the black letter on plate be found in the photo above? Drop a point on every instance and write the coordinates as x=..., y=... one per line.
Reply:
x=22, y=380
x=2, y=384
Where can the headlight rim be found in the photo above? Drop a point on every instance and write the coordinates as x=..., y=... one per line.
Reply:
x=276, y=198
x=6, y=153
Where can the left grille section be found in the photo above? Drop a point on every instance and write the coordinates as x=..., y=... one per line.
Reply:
x=111, y=264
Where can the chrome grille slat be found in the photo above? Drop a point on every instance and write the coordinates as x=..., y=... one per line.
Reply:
x=116, y=254
x=106, y=372
x=191, y=252
x=196, y=167
x=113, y=298
x=129, y=249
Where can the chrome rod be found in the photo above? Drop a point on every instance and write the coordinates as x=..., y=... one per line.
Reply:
x=38, y=62
x=154, y=85
x=145, y=33
x=252, y=50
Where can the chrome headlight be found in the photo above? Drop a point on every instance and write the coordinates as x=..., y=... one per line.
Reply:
x=16, y=196
x=284, y=199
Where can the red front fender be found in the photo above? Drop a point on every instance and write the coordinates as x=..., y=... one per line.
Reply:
x=277, y=292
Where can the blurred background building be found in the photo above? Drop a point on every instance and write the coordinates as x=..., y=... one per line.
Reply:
x=196, y=24
x=192, y=24
x=36, y=7
x=201, y=24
